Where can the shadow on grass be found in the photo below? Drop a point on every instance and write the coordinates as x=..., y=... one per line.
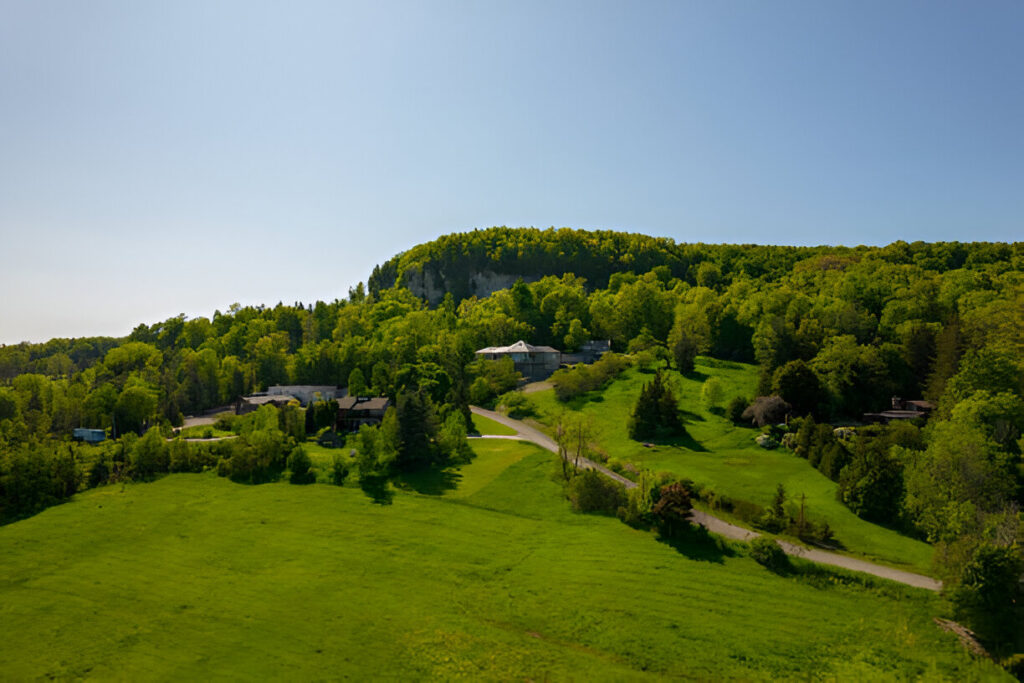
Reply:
x=579, y=402
x=696, y=375
x=709, y=362
x=377, y=489
x=431, y=481
x=696, y=543
x=686, y=440
x=692, y=417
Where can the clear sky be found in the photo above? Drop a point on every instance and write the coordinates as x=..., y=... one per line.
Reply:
x=159, y=158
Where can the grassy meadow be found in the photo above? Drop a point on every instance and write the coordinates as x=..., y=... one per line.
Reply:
x=484, y=572
x=485, y=425
x=724, y=457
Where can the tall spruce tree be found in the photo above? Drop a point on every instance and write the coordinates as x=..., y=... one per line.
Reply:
x=417, y=428
x=656, y=412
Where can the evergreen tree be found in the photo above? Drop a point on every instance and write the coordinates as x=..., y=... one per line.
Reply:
x=684, y=352
x=417, y=427
x=656, y=411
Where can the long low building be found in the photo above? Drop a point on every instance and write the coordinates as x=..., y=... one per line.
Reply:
x=247, y=404
x=307, y=393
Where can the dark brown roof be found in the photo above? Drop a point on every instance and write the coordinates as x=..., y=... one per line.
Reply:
x=354, y=403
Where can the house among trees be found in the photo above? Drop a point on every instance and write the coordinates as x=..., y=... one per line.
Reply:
x=355, y=411
x=589, y=352
x=247, y=404
x=89, y=435
x=901, y=410
x=534, y=362
x=307, y=393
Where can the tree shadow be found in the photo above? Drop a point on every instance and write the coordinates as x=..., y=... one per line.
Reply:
x=685, y=440
x=377, y=489
x=430, y=481
x=579, y=402
x=692, y=417
x=696, y=375
x=695, y=543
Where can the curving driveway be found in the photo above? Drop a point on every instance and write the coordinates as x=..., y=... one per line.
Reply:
x=524, y=432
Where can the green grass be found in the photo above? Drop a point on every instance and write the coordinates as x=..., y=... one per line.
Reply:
x=322, y=456
x=485, y=425
x=194, y=577
x=725, y=458
x=204, y=432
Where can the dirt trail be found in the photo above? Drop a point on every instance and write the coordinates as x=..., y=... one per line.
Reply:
x=525, y=432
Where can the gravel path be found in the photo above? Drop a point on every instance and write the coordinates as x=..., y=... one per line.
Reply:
x=525, y=432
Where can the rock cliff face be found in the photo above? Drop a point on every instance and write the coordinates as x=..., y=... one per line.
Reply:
x=432, y=286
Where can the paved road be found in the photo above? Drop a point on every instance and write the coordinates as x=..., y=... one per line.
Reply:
x=525, y=432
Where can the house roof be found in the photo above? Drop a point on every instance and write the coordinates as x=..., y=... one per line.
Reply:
x=357, y=403
x=276, y=398
x=519, y=347
x=301, y=388
x=896, y=414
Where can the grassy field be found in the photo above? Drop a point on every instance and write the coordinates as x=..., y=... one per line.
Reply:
x=485, y=425
x=194, y=577
x=725, y=458
x=204, y=432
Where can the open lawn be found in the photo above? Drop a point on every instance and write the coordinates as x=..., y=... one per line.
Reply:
x=195, y=577
x=204, y=432
x=724, y=457
x=485, y=425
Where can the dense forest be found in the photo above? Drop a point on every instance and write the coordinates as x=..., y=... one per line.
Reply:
x=836, y=332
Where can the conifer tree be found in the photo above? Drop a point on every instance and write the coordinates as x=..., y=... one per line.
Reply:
x=656, y=411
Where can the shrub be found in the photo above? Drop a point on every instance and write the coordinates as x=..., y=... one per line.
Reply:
x=300, y=464
x=226, y=422
x=516, y=404
x=734, y=411
x=711, y=393
x=747, y=511
x=766, y=410
x=579, y=379
x=672, y=510
x=328, y=438
x=591, y=491
x=339, y=470
x=149, y=455
x=767, y=553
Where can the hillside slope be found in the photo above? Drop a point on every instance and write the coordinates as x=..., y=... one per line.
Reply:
x=193, y=576
x=723, y=457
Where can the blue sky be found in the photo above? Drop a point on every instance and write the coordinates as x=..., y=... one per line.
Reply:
x=165, y=158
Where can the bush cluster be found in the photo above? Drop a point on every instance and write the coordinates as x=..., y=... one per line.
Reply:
x=579, y=379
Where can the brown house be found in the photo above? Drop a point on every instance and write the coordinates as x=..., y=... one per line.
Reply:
x=355, y=411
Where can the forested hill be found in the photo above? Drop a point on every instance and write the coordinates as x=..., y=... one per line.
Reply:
x=483, y=261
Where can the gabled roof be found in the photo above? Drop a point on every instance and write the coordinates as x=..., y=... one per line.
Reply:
x=357, y=403
x=519, y=347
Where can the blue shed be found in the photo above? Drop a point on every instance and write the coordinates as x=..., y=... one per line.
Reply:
x=89, y=435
